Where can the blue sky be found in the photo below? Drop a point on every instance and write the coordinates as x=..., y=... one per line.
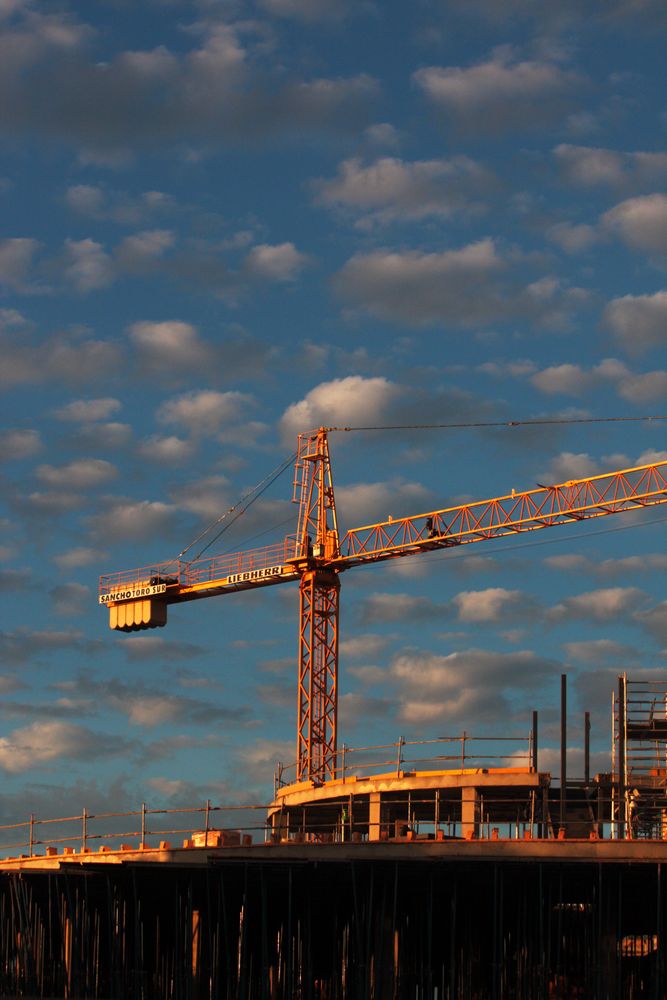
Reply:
x=227, y=222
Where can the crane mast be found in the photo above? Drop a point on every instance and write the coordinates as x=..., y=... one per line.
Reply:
x=319, y=598
x=138, y=599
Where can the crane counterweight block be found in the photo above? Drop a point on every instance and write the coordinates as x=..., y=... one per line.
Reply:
x=135, y=616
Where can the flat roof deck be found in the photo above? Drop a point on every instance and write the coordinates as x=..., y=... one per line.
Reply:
x=403, y=849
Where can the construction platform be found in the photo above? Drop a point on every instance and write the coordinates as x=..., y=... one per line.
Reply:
x=396, y=919
x=381, y=806
x=416, y=881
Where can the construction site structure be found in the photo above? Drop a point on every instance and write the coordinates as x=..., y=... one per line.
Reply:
x=639, y=757
x=317, y=556
x=495, y=894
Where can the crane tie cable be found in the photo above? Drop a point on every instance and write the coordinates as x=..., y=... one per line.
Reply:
x=238, y=509
x=497, y=423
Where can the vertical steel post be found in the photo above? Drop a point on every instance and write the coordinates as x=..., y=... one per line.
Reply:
x=401, y=741
x=658, y=931
x=563, y=750
x=143, y=824
x=622, y=775
x=533, y=747
x=587, y=748
x=84, y=831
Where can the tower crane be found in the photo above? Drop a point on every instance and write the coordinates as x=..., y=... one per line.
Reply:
x=317, y=555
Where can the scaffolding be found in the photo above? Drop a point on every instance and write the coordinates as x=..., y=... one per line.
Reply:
x=639, y=758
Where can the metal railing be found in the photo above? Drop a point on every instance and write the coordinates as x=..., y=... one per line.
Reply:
x=198, y=571
x=439, y=815
x=466, y=751
x=81, y=832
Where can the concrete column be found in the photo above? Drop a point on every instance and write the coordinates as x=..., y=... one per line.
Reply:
x=279, y=825
x=374, y=812
x=470, y=812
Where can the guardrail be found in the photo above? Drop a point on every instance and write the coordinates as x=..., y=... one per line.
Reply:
x=533, y=813
x=466, y=752
x=82, y=831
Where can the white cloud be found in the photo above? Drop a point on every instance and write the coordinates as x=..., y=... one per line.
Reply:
x=306, y=10
x=570, y=465
x=68, y=357
x=142, y=648
x=51, y=504
x=474, y=285
x=640, y=222
x=423, y=287
x=11, y=318
x=599, y=651
x=391, y=188
x=281, y=262
x=71, y=599
x=23, y=646
x=86, y=410
x=170, y=450
x=81, y=474
x=206, y=497
x=45, y=742
x=153, y=710
x=87, y=265
x=638, y=322
x=649, y=562
x=655, y=622
x=363, y=503
x=379, y=608
x=589, y=166
x=350, y=401
x=132, y=520
x=169, y=343
x=365, y=646
x=574, y=380
x=491, y=605
x=205, y=411
x=644, y=388
x=382, y=134
x=100, y=203
x=218, y=89
x=85, y=198
x=573, y=238
x=466, y=687
x=16, y=259
x=569, y=562
x=19, y=443
x=111, y=436
x=607, y=604
x=80, y=556
x=138, y=253
x=568, y=379
x=501, y=93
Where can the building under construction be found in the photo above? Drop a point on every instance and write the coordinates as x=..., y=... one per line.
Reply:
x=430, y=869
x=448, y=874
